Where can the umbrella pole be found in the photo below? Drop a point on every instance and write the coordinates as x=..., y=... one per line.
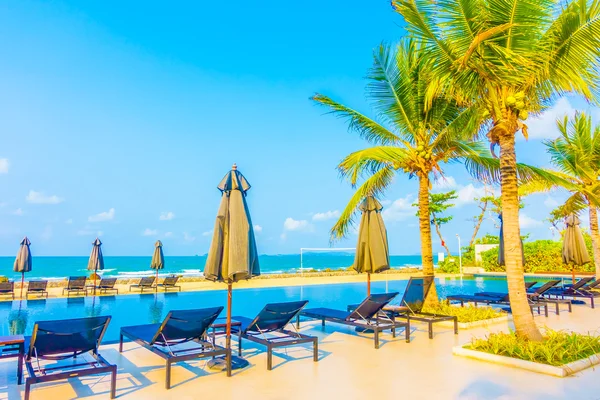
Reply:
x=228, y=329
x=156, y=284
x=368, y=283
x=22, y=283
x=95, y=274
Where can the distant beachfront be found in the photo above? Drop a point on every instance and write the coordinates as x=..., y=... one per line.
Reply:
x=61, y=267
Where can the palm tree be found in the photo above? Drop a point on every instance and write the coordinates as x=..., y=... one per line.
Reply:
x=411, y=136
x=513, y=57
x=576, y=155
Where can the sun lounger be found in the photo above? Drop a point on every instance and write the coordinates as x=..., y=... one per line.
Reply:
x=76, y=284
x=490, y=300
x=411, y=306
x=170, y=282
x=106, y=285
x=368, y=315
x=268, y=329
x=39, y=288
x=580, y=284
x=536, y=295
x=63, y=340
x=576, y=291
x=592, y=285
x=171, y=338
x=145, y=284
x=7, y=289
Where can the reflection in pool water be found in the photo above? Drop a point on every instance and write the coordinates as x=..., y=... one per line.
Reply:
x=19, y=316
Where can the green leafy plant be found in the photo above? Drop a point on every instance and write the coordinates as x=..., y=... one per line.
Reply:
x=465, y=314
x=557, y=347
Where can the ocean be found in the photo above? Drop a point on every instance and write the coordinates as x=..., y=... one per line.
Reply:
x=122, y=267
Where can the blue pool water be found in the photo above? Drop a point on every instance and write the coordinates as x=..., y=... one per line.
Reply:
x=19, y=317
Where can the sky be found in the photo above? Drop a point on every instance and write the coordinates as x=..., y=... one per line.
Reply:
x=119, y=120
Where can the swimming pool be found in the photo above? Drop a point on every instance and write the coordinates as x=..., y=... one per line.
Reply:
x=20, y=316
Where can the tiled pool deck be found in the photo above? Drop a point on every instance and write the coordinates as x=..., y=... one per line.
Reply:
x=349, y=368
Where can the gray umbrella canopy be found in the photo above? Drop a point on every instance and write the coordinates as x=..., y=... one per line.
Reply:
x=23, y=261
x=501, y=260
x=232, y=255
x=158, y=259
x=574, y=250
x=372, y=253
x=96, y=261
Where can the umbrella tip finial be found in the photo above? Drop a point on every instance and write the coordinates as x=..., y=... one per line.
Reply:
x=234, y=167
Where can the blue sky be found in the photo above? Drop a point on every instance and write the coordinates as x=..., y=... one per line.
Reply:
x=119, y=121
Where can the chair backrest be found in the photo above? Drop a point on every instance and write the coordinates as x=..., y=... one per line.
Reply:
x=7, y=287
x=76, y=282
x=185, y=325
x=545, y=287
x=37, y=285
x=147, y=281
x=107, y=283
x=170, y=280
x=275, y=316
x=415, y=293
x=64, y=338
x=581, y=283
x=371, y=306
x=529, y=285
x=593, y=285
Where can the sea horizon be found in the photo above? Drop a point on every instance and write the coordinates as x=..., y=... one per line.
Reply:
x=60, y=267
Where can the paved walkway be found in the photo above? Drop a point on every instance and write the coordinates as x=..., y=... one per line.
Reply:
x=349, y=368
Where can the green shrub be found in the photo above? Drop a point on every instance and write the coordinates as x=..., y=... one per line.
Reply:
x=540, y=256
x=464, y=314
x=557, y=348
x=450, y=265
x=3, y=279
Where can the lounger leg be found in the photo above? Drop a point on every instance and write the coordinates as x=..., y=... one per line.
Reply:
x=269, y=358
x=168, y=377
x=228, y=361
x=240, y=344
x=120, y=343
x=113, y=382
x=323, y=322
x=315, y=349
x=557, y=309
x=394, y=331
x=376, y=337
x=27, y=389
x=455, y=325
x=407, y=331
x=298, y=321
x=592, y=300
x=546, y=310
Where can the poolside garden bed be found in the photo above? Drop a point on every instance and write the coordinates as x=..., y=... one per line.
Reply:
x=469, y=316
x=559, y=354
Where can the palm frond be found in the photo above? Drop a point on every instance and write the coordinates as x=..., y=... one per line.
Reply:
x=372, y=160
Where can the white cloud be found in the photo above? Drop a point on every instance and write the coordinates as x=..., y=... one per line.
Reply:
x=258, y=228
x=4, y=164
x=445, y=183
x=149, y=232
x=544, y=126
x=166, y=216
x=188, y=238
x=69, y=221
x=550, y=202
x=103, y=216
x=18, y=212
x=467, y=194
x=385, y=202
x=89, y=232
x=290, y=224
x=525, y=221
x=207, y=233
x=325, y=216
x=47, y=233
x=168, y=234
x=400, y=209
x=40, y=198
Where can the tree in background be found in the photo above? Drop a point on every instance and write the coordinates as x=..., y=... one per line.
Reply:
x=513, y=57
x=413, y=135
x=439, y=203
x=483, y=204
x=557, y=219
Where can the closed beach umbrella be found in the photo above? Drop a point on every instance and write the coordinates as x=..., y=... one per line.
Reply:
x=232, y=255
x=96, y=261
x=23, y=261
x=574, y=251
x=372, y=253
x=501, y=259
x=158, y=259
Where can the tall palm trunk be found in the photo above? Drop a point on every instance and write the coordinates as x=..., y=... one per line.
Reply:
x=595, y=238
x=425, y=228
x=523, y=319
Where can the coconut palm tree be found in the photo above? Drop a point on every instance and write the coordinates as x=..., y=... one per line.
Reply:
x=410, y=136
x=576, y=156
x=513, y=57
